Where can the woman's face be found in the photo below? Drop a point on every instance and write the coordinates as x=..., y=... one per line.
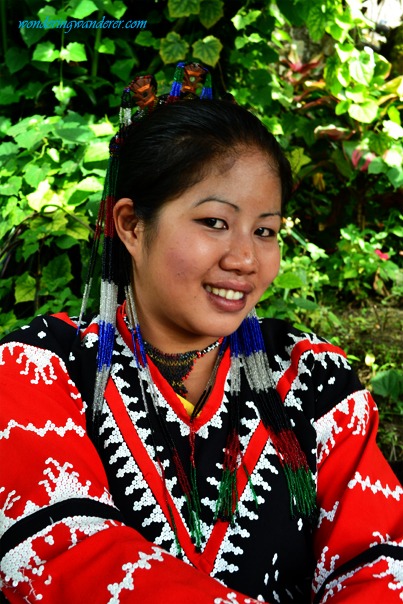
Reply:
x=213, y=254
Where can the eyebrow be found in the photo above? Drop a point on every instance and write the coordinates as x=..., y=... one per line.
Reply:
x=233, y=205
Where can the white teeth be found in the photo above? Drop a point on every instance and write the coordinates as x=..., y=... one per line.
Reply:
x=228, y=294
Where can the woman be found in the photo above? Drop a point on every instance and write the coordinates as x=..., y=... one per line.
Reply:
x=217, y=457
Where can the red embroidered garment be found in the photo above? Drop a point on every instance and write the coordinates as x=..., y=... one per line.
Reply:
x=87, y=518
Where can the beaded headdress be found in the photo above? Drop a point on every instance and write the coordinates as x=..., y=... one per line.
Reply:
x=247, y=349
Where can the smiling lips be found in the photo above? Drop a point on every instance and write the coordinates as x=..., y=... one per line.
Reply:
x=228, y=294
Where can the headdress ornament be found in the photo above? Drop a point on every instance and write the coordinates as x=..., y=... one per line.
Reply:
x=246, y=344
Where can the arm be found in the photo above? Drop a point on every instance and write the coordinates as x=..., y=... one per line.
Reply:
x=64, y=541
x=359, y=542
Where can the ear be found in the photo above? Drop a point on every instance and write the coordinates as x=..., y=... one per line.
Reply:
x=128, y=226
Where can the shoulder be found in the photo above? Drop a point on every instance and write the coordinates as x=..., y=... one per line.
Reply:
x=58, y=337
x=309, y=368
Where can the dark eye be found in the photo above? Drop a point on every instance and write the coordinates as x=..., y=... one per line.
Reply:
x=214, y=223
x=265, y=232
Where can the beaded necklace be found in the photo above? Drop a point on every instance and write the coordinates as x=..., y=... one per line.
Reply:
x=248, y=356
x=176, y=367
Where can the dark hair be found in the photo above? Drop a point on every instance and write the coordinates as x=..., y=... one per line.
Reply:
x=172, y=149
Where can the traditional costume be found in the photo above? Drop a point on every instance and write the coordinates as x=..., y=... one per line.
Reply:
x=105, y=518
x=115, y=489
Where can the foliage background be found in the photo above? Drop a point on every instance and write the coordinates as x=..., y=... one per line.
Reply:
x=319, y=76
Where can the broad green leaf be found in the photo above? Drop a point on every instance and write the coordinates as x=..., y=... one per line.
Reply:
x=104, y=128
x=12, y=186
x=345, y=51
x=316, y=22
x=357, y=93
x=362, y=68
x=31, y=35
x=298, y=159
x=207, y=50
x=342, y=107
x=366, y=112
x=107, y=46
x=173, y=48
x=74, y=52
x=123, y=68
x=63, y=93
x=83, y=9
x=43, y=197
x=7, y=150
x=388, y=384
x=74, y=132
x=89, y=184
x=382, y=67
x=288, y=281
x=245, y=18
x=16, y=59
x=53, y=154
x=57, y=272
x=145, y=38
x=394, y=86
x=305, y=304
x=34, y=174
x=395, y=176
x=25, y=288
x=46, y=52
x=96, y=152
x=393, y=129
x=393, y=157
x=183, y=8
x=8, y=95
x=117, y=8
x=211, y=11
x=394, y=115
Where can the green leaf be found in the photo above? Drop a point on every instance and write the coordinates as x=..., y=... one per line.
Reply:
x=395, y=176
x=56, y=273
x=117, y=8
x=173, y=48
x=366, y=112
x=74, y=52
x=394, y=115
x=393, y=129
x=63, y=93
x=96, y=152
x=245, y=18
x=35, y=174
x=389, y=384
x=83, y=9
x=207, y=50
x=8, y=149
x=16, y=59
x=145, y=38
x=45, y=52
x=123, y=68
x=211, y=12
x=32, y=35
x=298, y=159
x=316, y=22
x=107, y=46
x=183, y=8
x=362, y=68
x=288, y=281
x=12, y=186
x=25, y=289
x=8, y=95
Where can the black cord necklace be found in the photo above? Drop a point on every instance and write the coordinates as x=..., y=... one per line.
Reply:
x=176, y=367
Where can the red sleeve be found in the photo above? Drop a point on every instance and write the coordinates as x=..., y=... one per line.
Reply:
x=359, y=541
x=63, y=541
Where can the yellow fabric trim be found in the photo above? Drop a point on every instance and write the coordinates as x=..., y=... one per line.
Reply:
x=187, y=405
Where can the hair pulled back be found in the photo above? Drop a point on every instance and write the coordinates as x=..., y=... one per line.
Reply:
x=176, y=146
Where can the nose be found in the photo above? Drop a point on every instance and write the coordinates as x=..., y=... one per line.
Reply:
x=240, y=256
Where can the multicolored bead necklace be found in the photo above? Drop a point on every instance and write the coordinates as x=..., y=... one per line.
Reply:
x=176, y=367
